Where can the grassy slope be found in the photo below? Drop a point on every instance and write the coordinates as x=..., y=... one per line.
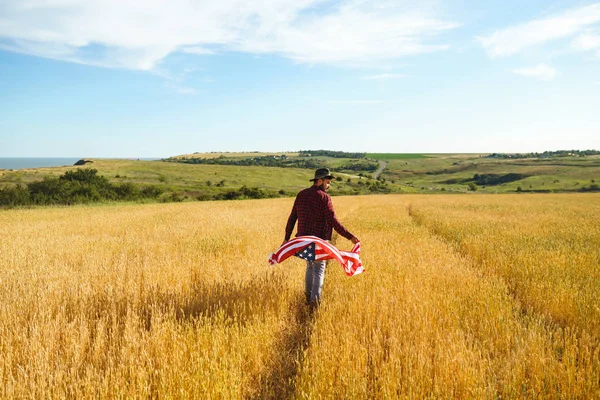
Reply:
x=405, y=173
x=561, y=174
x=201, y=179
x=175, y=175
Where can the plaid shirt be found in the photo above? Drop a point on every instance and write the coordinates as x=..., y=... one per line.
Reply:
x=313, y=210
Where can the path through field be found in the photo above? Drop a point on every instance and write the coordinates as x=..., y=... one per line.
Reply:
x=382, y=165
x=463, y=297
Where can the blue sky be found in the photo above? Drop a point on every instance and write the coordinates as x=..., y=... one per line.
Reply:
x=150, y=78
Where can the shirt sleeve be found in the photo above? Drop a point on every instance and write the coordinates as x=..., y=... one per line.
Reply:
x=333, y=221
x=289, y=228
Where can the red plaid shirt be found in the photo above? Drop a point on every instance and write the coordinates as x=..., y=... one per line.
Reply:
x=313, y=210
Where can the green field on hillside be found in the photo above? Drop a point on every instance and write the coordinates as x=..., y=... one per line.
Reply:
x=178, y=181
x=208, y=176
x=455, y=172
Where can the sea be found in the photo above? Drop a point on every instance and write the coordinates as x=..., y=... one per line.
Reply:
x=42, y=162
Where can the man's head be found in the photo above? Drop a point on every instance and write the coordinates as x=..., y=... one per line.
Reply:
x=322, y=178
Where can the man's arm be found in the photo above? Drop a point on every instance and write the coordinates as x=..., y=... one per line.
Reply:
x=337, y=225
x=289, y=228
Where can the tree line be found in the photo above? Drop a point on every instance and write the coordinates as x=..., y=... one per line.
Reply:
x=330, y=153
x=488, y=179
x=261, y=161
x=305, y=161
x=547, y=154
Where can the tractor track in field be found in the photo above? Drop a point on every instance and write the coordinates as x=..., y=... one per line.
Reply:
x=279, y=379
x=516, y=298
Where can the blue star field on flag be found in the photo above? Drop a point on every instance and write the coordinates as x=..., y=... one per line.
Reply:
x=307, y=253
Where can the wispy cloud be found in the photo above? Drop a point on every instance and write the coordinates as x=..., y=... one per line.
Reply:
x=542, y=72
x=198, y=50
x=515, y=39
x=355, y=102
x=178, y=87
x=588, y=41
x=355, y=33
x=382, y=77
x=185, y=90
x=138, y=34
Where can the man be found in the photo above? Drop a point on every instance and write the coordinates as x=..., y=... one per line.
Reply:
x=314, y=212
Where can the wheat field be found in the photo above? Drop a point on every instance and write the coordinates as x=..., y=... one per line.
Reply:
x=463, y=297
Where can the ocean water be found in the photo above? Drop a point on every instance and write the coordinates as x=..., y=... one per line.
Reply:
x=21, y=163
x=41, y=162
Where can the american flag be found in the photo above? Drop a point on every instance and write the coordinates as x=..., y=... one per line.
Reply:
x=314, y=248
x=308, y=253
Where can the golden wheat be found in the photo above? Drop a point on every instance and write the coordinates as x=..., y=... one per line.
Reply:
x=465, y=297
x=548, y=250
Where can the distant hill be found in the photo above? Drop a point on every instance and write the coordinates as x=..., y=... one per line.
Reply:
x=213, y=176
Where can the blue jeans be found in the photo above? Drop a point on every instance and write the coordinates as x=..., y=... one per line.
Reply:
x=315, y=275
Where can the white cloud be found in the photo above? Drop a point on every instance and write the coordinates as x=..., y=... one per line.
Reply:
x=198, y=50
x=382, y=77
x=357, y=34
x=588, y=41
x=138, y=34
x=542, y=71
x=515, y=39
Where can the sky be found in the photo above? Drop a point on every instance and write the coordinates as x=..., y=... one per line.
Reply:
x=152, y=78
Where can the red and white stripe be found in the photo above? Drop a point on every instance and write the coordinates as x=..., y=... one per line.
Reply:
x=350, y=260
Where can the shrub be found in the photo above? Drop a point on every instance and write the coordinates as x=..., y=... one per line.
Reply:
x=244, y=193
x=77, y=186
x=151, y=191
x=14, y=196
x=495, y=179
x=175, y=197
x=127, y=191
x=590, y=188
x=88, y=175
x=203, y=197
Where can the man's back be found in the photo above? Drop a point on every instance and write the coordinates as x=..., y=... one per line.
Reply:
x=314, y=212
x=311, y=206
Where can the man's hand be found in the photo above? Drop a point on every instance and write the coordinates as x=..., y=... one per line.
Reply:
x=354, y=240
x=284, y=242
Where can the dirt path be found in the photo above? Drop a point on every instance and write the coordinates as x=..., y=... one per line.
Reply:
x=382, y=165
